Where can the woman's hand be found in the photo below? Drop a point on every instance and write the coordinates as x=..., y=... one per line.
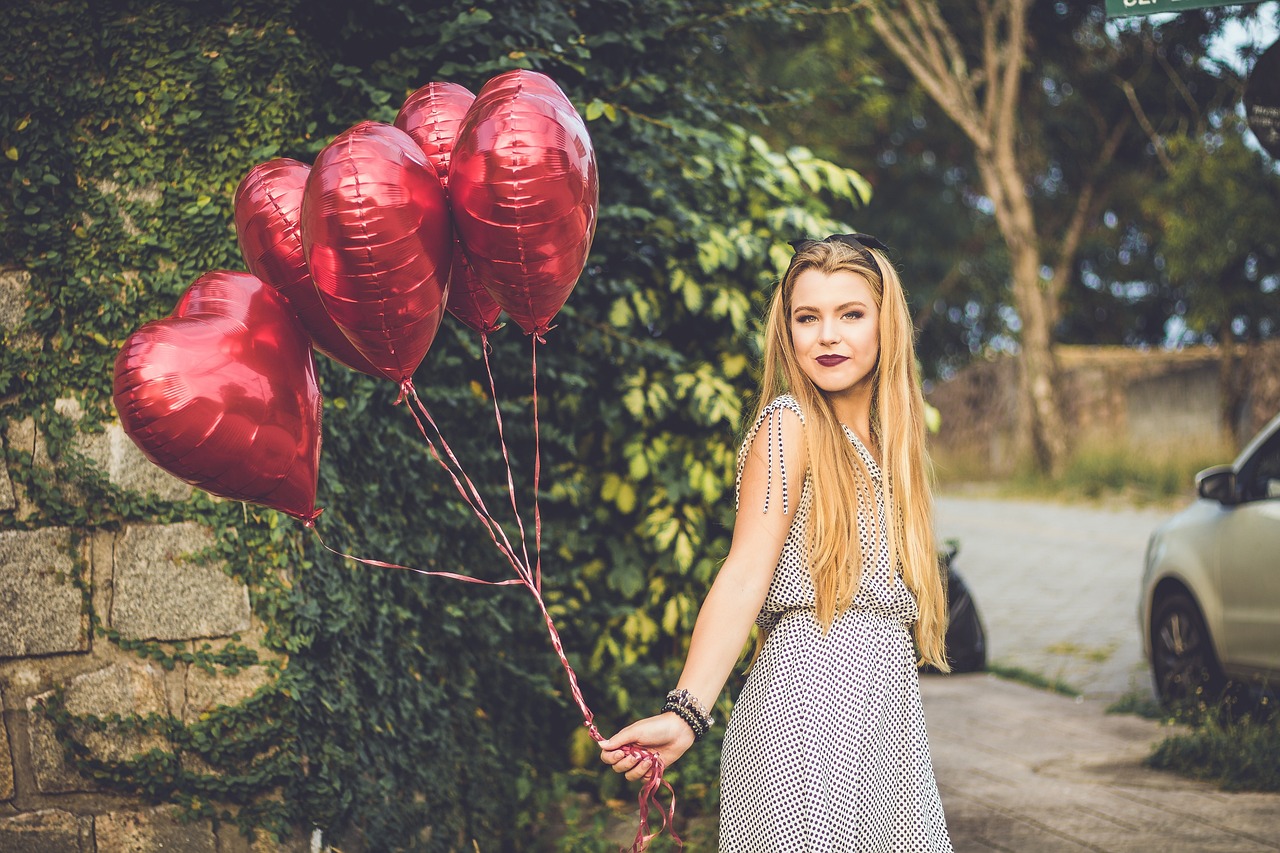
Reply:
x=665, y=734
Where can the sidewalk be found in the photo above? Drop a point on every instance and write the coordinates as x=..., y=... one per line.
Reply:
x=1022, y=769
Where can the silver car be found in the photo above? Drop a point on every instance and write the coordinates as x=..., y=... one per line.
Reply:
x=1210, y=609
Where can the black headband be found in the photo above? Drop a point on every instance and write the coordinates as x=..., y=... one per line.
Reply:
x=864, y=243
x=861, y=242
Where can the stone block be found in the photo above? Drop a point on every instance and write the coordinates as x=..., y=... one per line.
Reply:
x=129, y=469
x=40, y=607
x=115, y=454
x=8, y=501
x=122, y=689
x=22, y=435
x=47, y=831
x=160, y=593
x=15, y=293
x=232, y=840
x=206, y=692
x=6, y=759
x=154, y=829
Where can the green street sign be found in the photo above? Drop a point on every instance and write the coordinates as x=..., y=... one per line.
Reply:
x=1128, y=8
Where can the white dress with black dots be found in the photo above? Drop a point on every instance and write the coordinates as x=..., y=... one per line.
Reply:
x=826, y=750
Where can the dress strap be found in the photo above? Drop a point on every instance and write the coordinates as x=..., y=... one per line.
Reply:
x=771, y=419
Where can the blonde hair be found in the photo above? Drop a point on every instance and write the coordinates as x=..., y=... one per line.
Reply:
x=841, y=481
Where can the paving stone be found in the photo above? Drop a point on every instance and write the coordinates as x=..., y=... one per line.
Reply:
x=152, y=830
x=121, y=688
x=1025, y=769
x=47, y=831
x=41, y=606
x=159, y=592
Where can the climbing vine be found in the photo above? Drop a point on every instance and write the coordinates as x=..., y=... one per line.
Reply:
x=405, y=712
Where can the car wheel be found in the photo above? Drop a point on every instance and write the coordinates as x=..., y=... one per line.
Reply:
x=1182, y=658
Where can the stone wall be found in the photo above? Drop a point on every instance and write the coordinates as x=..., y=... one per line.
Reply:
x=1153, y=401
x=143, y=583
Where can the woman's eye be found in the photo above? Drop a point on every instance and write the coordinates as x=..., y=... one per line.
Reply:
x=805, y=318
x=853, y=315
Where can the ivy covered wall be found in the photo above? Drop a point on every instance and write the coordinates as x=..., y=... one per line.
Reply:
x=386, y=709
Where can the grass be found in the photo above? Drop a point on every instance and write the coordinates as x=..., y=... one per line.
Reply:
x=1032, y=679
x=1238, y=749
x=1233, y=741
x=1145, y=475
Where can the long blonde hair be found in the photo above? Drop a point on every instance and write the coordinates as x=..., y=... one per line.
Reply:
x=841, y=481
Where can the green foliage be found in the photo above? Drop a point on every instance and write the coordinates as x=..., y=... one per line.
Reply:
x=1216, y=210
x=1235, y=744
x=412, y=712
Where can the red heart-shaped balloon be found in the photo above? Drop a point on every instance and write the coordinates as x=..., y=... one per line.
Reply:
x=525, y=194
x=432, y=116
x=268, y=205
x=379, y=244
x=223, y=394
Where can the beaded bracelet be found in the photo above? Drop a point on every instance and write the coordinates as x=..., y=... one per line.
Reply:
x=687, y=707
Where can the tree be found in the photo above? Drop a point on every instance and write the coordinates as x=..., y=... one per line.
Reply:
x=1217, y=211
x=1013, y=77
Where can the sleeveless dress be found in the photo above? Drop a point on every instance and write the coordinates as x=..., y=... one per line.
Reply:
x=826, y=749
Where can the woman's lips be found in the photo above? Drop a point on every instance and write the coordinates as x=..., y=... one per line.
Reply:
x=831, y=360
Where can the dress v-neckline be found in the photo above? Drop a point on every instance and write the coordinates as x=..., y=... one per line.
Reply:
x=870, y=460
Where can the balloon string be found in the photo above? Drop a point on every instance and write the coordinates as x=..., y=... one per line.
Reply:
x=537, y=467
x=477, y=504
x=511, y=486
x=383, y=565
x=650, y=792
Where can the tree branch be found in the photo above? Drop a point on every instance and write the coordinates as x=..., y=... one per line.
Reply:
x=935, y=79
x=1157, y=141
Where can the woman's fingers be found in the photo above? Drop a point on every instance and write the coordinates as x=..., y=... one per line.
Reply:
x=639, y=770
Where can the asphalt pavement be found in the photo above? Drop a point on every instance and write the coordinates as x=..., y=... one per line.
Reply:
x=1057, y=586
x=1025, y=769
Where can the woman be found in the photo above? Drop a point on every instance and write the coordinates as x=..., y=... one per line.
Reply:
x=826, y=749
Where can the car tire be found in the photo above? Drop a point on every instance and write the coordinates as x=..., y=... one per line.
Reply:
x=1183, y=664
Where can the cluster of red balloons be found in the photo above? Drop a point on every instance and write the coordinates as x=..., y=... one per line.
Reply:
x=470, y=204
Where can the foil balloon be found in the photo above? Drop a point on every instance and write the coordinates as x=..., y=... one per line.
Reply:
x=268, y=206
x=223, y=394
x=432, y=116
x=379, y=243
x=525, y=193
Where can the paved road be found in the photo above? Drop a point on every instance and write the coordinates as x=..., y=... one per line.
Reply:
x=1056, y=586
x=1021, y=769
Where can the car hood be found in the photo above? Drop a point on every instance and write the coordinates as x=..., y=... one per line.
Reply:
x=1188, y=538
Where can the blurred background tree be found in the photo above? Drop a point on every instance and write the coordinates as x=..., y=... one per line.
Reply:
x=1013, y=147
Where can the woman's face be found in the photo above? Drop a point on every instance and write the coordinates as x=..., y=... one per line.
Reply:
x=835, y=329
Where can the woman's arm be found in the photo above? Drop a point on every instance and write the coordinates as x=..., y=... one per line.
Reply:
x=725, y=619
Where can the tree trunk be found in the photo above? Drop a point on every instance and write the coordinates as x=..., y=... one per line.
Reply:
x=1037, y=306
x=983, y=102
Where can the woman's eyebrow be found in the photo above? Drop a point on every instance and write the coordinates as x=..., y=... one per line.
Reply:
x=852, y=304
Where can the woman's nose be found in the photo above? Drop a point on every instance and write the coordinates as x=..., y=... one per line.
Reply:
x=830, y=332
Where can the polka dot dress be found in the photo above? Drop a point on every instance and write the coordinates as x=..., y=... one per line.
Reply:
x=826, y=749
